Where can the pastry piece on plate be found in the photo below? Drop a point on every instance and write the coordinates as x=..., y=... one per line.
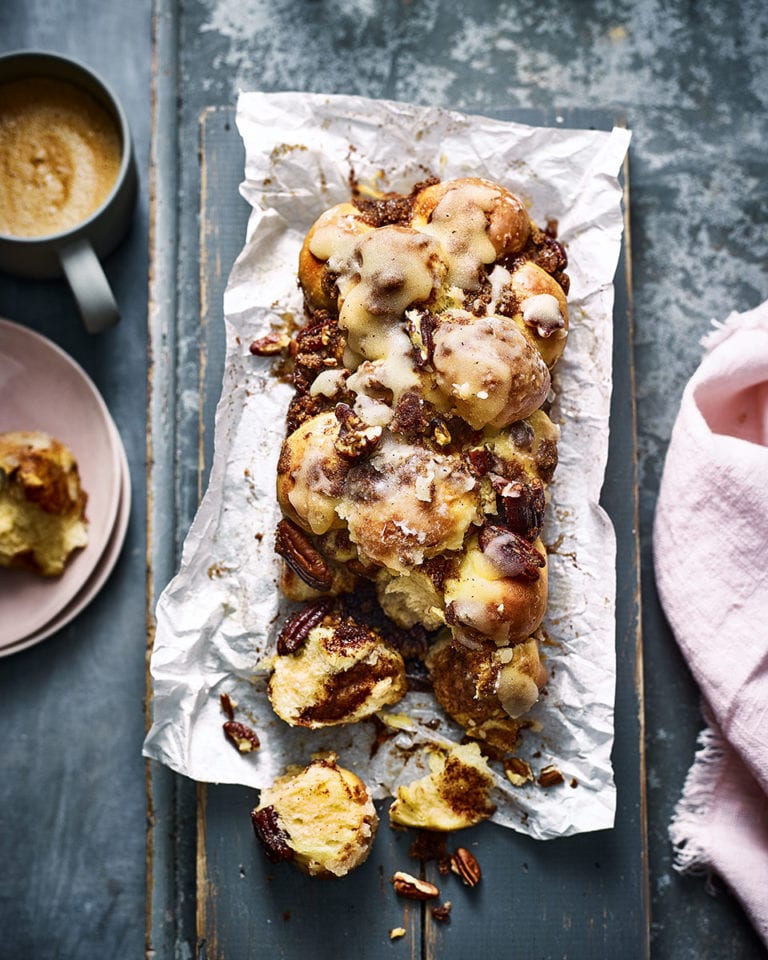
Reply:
x=320, y=817
x=42, y=504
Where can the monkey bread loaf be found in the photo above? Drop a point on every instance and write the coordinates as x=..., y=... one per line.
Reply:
x=418, y=452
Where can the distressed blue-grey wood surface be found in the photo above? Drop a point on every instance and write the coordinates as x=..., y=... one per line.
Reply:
x=72, y=792
x=690, y=78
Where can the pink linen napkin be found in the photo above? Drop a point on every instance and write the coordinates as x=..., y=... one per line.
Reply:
x=710, y=543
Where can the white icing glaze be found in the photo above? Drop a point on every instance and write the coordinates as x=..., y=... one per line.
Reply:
x=460, y=223
x=488, y=368
x=327, y=383
x=542, y=311
x=396, y=268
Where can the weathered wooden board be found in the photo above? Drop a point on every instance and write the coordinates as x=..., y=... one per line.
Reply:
x=578, y=897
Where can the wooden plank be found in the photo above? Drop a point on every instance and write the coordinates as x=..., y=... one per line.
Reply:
x=171, y=836
x=576, y=897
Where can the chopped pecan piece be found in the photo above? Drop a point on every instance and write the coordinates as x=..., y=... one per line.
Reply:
x=302, y=557
x=550, y=254
x=273, y=838
x=420, y=325
x=479, y=461
x=294, y=634
x=243, y=737
x=545, y=459
x=522, y=434
x=465, y=865
x=512, y=555
x=550, y=776
x=271, y=344
x=442, y=913
x=410, y=419
x=412, y=888
x=440, y=432
x=520, y=504
x=227, y=707
x=356, y=438
x=427, y=326
x=518, y=771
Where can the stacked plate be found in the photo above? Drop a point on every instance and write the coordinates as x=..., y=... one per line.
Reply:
x=42, y=388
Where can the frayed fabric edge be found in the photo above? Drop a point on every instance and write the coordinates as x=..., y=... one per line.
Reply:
x=756, y=319
x=687, y=829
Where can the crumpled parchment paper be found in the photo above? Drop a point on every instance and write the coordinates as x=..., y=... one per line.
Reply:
x=218, y=618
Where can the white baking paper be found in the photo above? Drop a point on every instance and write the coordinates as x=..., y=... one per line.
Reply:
x=219, y=616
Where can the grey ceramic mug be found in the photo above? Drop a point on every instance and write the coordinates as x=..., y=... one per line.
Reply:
x=76, y=253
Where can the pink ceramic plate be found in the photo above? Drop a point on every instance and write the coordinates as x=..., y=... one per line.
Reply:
x=42, y=388
x=103, y=568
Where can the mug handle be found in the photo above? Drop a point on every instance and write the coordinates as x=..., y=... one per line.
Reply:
x=89, y=286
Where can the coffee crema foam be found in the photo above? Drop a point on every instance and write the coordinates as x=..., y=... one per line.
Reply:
x=60, y=154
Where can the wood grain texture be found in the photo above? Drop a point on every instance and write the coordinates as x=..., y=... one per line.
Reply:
x=576, y=897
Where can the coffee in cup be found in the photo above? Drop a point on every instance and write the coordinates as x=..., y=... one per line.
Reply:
x=68, y=178
x=59, y=156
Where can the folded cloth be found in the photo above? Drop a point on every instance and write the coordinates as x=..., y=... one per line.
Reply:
x=710, y=543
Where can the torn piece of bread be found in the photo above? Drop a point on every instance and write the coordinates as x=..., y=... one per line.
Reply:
x=320, y=817
x=329, y=669
x=42, y=504
x=453, y=795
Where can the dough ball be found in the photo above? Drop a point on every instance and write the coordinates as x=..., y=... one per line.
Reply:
x=340, y=672
x=487, y=367
x=320, y=817
x=500, y=593
x=454, y=794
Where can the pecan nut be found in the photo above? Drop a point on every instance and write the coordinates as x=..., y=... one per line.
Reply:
x=227, y=706
x=510, y=553
x=294, y=634
x=302, y=557
x=413, y=888
x=479, y=461
x=550, y=776
x=442, y=913
x=520, y=504
x=356, y=438
x=440, y=432
x=421, y=326
x=245, y=739
x=270, y=345
x=518, y=771
x=274, y=839
x=465, y=865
